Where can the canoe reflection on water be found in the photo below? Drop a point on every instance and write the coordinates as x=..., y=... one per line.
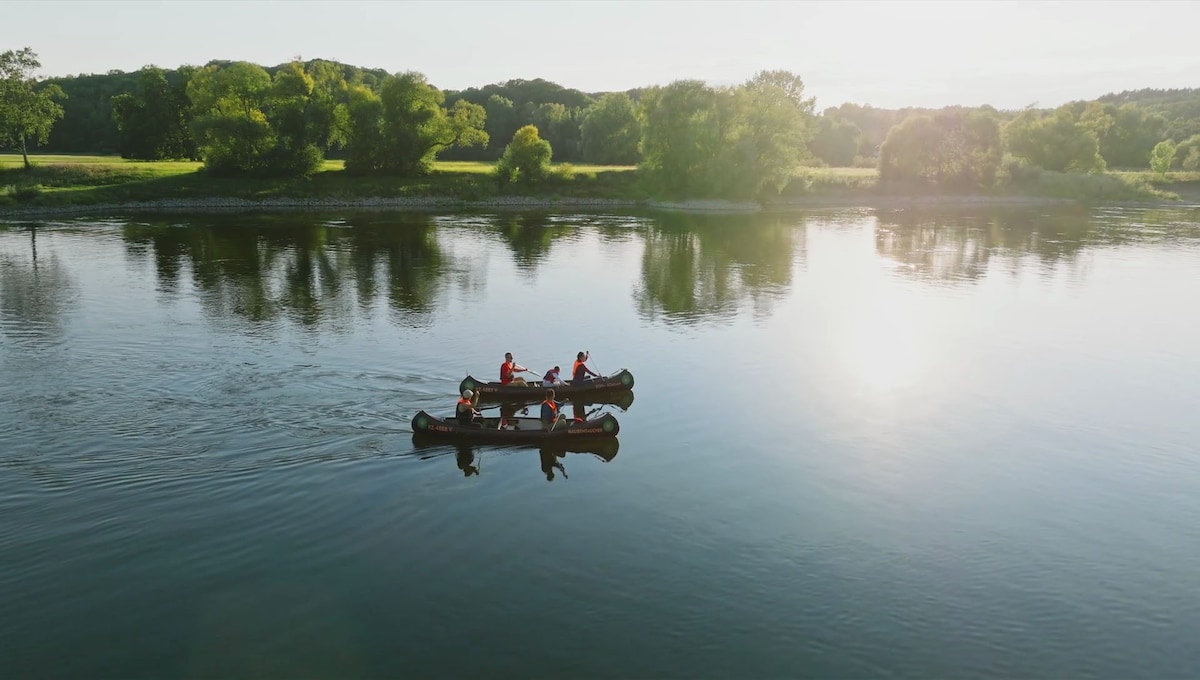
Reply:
x=468, y=456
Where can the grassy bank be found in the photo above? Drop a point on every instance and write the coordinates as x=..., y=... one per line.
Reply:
x=63, y=181
x=93, y=180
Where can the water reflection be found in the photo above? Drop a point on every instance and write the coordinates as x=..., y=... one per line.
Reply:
x=35, y=290
x=695, y=268
x=706, y=267
x=530, y=235
x=260, y=268
x=956, y=246
x=469, y=458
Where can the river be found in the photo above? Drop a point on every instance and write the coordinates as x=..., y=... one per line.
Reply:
x=955, y=443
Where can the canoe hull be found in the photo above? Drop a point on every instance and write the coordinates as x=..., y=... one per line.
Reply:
x=518, y=430
x=494, y=391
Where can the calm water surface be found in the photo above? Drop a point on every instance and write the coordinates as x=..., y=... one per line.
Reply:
x=863, y=443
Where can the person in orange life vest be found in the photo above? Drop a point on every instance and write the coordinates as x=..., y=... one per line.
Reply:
x=580, y=371
x=549, y=411
x=508, y=369
x=551, y=378
x=466, y=411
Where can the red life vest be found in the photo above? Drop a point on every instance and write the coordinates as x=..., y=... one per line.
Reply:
x=506, y=372
x=462, y=400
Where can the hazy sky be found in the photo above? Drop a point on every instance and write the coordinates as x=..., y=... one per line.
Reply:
x=890, y=54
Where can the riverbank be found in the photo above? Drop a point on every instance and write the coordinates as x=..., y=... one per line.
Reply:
x=518, y=203
x=97, y=186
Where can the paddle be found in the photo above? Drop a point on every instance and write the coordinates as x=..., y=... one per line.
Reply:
x=594, y=366
x=557, y=419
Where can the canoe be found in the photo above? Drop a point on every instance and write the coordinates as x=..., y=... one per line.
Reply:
x=622, y=399
x=516, y=430
x=494, y=391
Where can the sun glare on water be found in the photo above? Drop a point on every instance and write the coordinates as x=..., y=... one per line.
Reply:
x=884, y=342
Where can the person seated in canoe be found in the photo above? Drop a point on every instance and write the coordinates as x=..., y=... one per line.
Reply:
x=580, y=371
x=466, y=411
x=551, y=378
x=509, y=369
x=550, y=412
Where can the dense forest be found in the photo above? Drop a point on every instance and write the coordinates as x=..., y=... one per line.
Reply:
x=689, y=138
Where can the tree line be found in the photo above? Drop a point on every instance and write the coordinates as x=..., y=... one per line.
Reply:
x=689, y=138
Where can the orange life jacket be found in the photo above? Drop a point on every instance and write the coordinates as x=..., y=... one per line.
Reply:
x=553, y=406
x=506, y=372
x=463, y=400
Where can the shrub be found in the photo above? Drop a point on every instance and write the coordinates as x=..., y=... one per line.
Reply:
x=27, y=193
x=526, y=159
x=1162, y=156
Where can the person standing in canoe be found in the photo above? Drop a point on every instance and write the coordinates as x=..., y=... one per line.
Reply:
x=509, y=369
x=580, y=371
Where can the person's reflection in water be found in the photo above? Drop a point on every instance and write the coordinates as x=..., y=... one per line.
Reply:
x=580, y=411
x=550, y=461
x=465, y=458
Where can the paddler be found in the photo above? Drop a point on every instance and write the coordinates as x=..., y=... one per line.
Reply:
x=580, y=371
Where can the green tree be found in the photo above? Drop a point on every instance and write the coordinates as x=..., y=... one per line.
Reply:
x=413, y=127
x=560, y=127
x=27, y=111
x=610, y=131
x=1126, y=133
x=502, y=122
x=288, y=110
x=1187, y=154
x=365, y=139
x=765, y=136
x=232, y=132
x=248, y=121
x=835, y=141
x=952, y=148
x=526, y=159
x=327, y=108
x=681, y=134
x=1054, y=142
x=153, y=122
x=736, y=142
x=1162, y=156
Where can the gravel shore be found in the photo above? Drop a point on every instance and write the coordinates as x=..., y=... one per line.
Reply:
x=513, y=203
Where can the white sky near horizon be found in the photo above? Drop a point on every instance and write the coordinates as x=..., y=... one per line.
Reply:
x=888, y=54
